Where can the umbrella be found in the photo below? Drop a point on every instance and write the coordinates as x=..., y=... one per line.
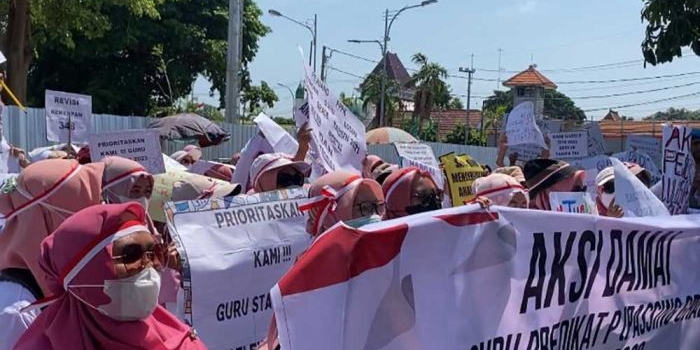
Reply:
x=388, y=135
x=190, y=126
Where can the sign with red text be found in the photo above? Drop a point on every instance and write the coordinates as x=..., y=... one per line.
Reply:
x=678, y=168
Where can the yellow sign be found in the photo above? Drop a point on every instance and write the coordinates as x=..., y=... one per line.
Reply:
x=460, y=173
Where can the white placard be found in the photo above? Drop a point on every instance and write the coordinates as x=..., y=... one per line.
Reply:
x=234, y=255
x=279, y=139
x=528, y=152
x=572, y=202
x=419, y=152
x=678, y=168
x=647, y=144
x=339, y=134
x=436, y=173
x=68, y=113
x=596, y=141
x=567, y=145
x=521, y=126
x=142, y=146
x=601, y=162
x=508, y=279
x=633, y=196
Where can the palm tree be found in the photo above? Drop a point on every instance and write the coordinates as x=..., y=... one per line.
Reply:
x=371, y=92
x=430, y=88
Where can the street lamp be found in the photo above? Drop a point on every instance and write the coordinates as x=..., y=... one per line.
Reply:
x=313, y=30
x=289, y=89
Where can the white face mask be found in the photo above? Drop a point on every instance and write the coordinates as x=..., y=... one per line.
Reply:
x=133, y=298
x=606, y=199
x=359, y=222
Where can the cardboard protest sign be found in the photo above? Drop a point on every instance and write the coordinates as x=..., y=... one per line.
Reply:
x=596, y=142
x=436, y=173
x=279, y=139
x=572, y=202
x=521, y=126
x=460, y=173
x=142, y=146
x=678, y=168
x=508, y=279
x=301, y=114
x=339, y=135
x=232, y=256
x=567, y=145
x=647, y=144
x=68, y=116
x=633, y=196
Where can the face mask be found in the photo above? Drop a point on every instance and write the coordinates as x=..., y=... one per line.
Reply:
x=425, y=206
x=133, y=298
x=606, y=199
x=143, y=201
x=357, y=223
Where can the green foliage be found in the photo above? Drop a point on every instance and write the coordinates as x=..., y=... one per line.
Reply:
x=456, y=136
x=283, y=121
x=671, y=25
x=556, y=105
x=429, y=132
x=371, y=92
x=138, y=58
x=455, y=104
x=431, y=89
x=675, y=114
x=256, y=97
x=355, y=105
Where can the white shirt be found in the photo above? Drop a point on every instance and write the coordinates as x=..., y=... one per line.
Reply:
x=13, y=297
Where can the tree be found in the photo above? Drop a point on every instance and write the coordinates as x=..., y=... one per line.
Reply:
x=371, y=92
x=556, y=105
x=428, y=134
x=456, y=136
x=675, y=114
x=355, y=105
x=151, y=62
x=256, y=96
x=431, y=88
x=455, y=103
x=671, y=25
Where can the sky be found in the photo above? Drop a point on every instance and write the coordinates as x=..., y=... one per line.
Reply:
x=569, y=41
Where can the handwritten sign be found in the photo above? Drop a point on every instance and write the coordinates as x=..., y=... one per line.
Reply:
x=633, y=196
x=647, y=144
x=68, y=116
x=142, y=146
x=419, y=152
x=678, y=168
x=528, y=152
x=339, y=134
x=596, y=142
x=572, y=202
x=566, y=145
x=521, y=127
x=460, y=172
x=279, y=139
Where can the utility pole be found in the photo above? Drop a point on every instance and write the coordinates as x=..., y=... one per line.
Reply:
x=498, y=83
x=233, y=60
x=470, y=72
x=324, y=63
x=382, y=99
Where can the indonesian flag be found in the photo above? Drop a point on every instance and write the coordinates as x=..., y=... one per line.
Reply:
x=507, y=279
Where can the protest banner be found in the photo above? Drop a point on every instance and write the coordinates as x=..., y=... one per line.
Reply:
x=633, y=196
x=572, y=202
x=678, y=168
x=141, y=146
x=647, y=144
x=507, y=279
x=460, y=173
x=339, y=134
x=531, y=151
x=638, y=157
x=596, y=141
x=567, y=145
x=436, y=173
x=419, y=152
x=521, y=126
x=68, y=116
x=232, y=256
x=279, y=139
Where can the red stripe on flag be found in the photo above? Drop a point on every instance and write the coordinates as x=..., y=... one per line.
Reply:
x=466, y=219
x=340, y=255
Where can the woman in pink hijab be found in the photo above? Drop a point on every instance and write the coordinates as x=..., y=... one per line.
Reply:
x=126, y=181
x=411, y=191
x=100, y=272
x=502, y=190
x=44, y=195
x=544, y=176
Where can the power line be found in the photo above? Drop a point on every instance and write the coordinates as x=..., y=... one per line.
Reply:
x=626, y=79
x=644, y=103
x=346, y=73
x=634, y=92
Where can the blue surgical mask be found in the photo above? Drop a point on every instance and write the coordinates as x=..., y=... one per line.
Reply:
x=359, y=222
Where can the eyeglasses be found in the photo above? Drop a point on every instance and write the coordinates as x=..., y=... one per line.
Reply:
x=285, y=180
x=133, y=253
x=371, y=208
x=609, y=187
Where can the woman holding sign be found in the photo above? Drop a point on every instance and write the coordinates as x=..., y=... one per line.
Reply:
x=100, y=267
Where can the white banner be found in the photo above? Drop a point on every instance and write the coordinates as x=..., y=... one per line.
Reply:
x=572, y=202
x=233, y=256
x=512, y=279
x=68, y=113
x=528, y=152
x=279, y=139
x=521, y=126
x=419, y=152
x=633, y=196
x=647, y=144
x=567, y=145
x=142, y=146
x=339, y=134
x=678, y=169
x=596, y=141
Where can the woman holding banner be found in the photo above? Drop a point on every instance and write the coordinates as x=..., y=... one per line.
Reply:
x=100, y=267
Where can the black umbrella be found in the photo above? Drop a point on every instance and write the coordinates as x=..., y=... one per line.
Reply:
x=190, y=126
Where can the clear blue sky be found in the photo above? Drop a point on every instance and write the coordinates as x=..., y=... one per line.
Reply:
x=555, y=35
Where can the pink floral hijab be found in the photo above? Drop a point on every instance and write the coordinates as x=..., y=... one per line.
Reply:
x=120, y=174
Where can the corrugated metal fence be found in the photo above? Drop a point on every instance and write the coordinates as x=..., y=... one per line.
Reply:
x=28, y=130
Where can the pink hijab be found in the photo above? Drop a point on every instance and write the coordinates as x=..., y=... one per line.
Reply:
x=120, y=174
x=45, y=194
x=499, y=188
x=398, y=190
x=334, y=195
x=369, y=164
x=80, y=253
